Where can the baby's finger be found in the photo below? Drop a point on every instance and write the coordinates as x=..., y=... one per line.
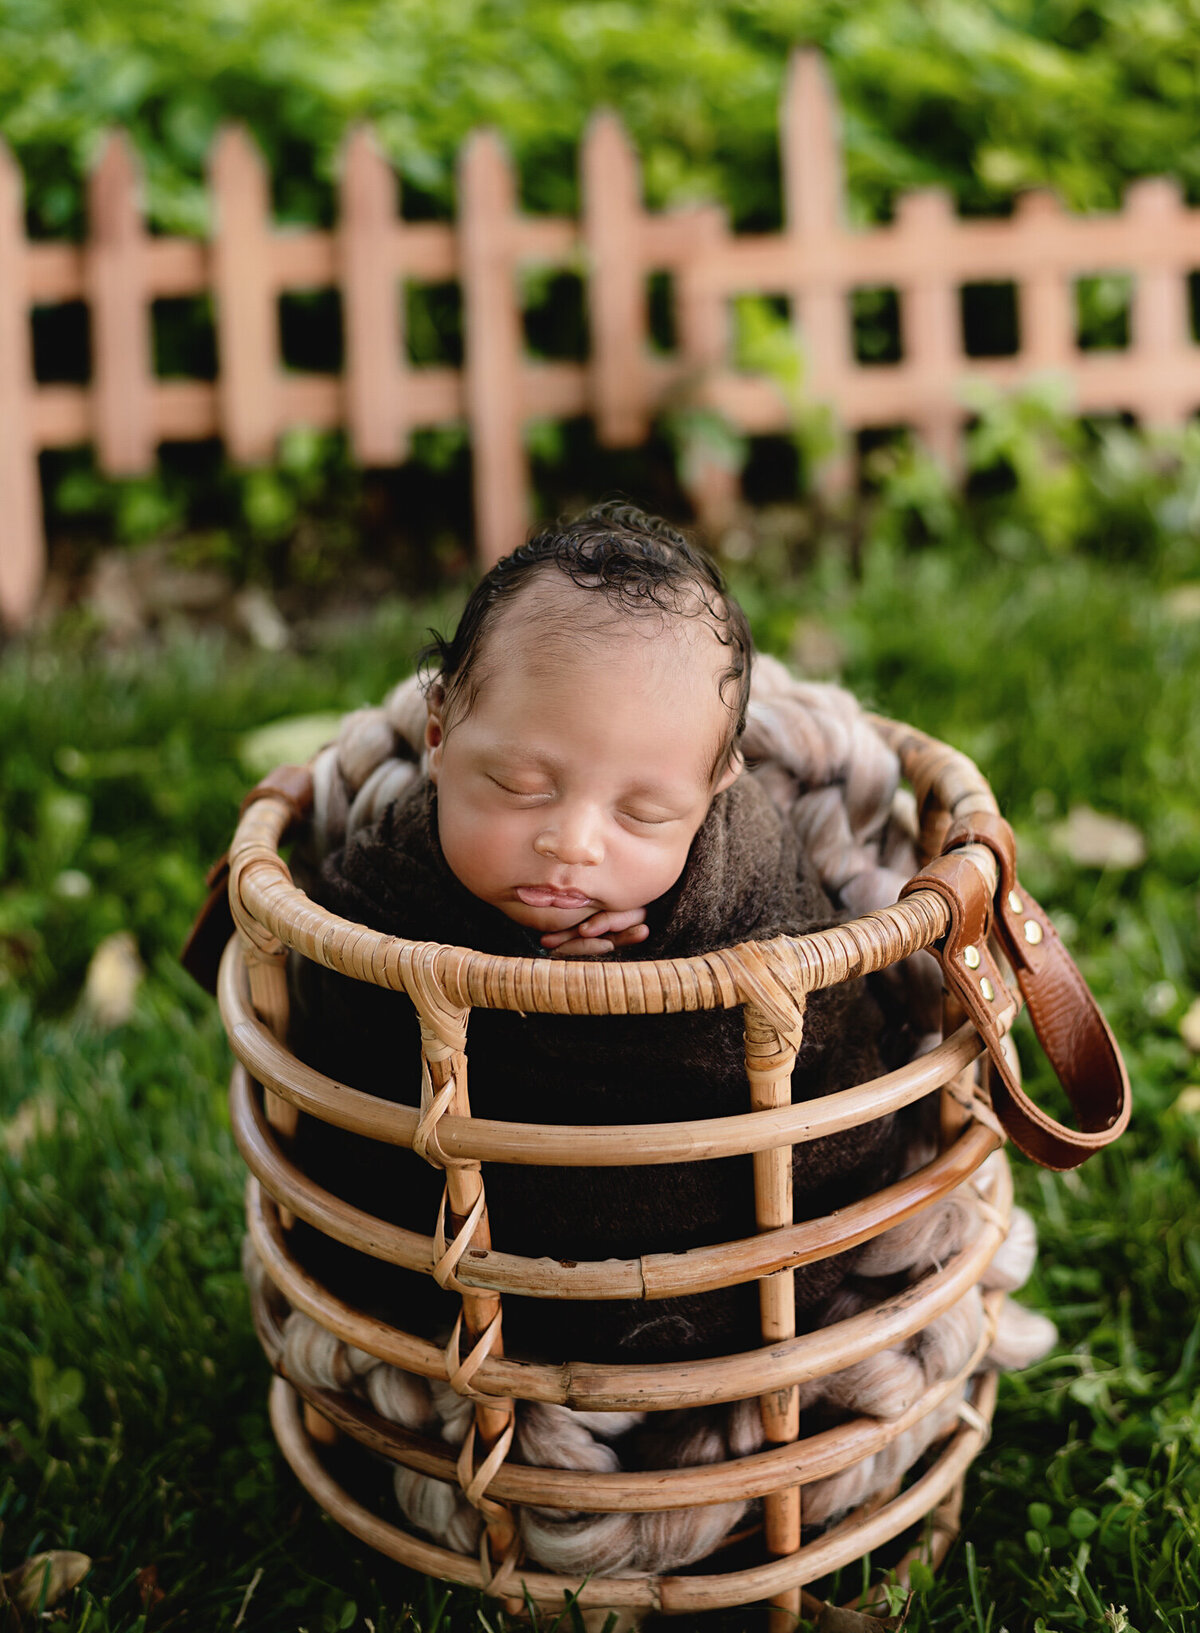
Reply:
x=610, y=919
x=578, y=947
x=597, y=925
x=630, y=937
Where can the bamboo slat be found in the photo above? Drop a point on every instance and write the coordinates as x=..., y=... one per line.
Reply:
x=672, y=1595
x=601, y=1387
x=652, y=1276
x=770, y=1056
x=579, y=1145
x=799, y=1462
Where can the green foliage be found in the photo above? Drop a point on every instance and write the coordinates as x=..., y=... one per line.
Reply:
x=115, y=797
x=985, y=99
x=131, y=1385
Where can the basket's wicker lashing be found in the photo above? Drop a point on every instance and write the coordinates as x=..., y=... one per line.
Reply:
x=770, y=981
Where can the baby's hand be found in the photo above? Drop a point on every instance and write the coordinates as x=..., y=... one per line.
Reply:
x=599, y=934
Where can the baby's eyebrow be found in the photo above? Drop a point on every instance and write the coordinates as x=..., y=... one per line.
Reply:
x=657, y=793
x=521, y=754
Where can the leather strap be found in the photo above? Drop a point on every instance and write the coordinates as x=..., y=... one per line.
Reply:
x=213, y=926
x=1066, y=1018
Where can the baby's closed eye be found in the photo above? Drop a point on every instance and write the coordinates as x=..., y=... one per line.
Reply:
x=647, y=819
x=519, y=791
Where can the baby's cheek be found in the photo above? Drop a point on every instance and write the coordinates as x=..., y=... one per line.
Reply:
x=655, y=869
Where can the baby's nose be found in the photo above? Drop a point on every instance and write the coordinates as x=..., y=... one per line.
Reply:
x=573, y=837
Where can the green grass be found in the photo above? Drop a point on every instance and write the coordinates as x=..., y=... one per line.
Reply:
x=132, y=1391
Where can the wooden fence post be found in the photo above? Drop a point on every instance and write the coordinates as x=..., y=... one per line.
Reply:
x=375, y=362
x=492, y=364
x=1160, y=326
x=617, y=306
x=813, y=215
x=22, y=546
x=930, y=324
x=1045, y=312
x=245, y=291
x=702, y=314
x=122, y=362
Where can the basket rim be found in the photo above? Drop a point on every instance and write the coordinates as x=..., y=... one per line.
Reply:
x=575, y=1145
x=274, y=913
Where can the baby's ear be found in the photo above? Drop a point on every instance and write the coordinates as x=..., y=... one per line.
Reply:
x=731, y=773
x=435, y=734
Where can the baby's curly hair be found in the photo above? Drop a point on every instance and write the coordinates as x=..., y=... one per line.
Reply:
x=638, y=562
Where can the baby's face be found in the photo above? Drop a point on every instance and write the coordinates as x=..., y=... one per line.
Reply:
x=584, y=767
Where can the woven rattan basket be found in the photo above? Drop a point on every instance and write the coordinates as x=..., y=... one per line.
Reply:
x=770, y=981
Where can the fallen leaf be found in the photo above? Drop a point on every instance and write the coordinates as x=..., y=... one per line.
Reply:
x=148, y=1588
x=1097, y=841
x=1183, y=602
x=43, y=1580
x=113, y=598
x=1189, y=1026
x=286, y=742
x=835, y=1620
x=816, y=649
x=36, y=1115
x=258, y=615
x=112, y=980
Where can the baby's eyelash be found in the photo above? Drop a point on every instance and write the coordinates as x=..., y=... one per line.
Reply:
x=519, y=793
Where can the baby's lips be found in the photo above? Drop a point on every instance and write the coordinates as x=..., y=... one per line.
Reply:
x=544, y=896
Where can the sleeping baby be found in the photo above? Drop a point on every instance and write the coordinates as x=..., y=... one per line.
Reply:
x=586, y=796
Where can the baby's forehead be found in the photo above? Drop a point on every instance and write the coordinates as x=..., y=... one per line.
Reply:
x=555, y=616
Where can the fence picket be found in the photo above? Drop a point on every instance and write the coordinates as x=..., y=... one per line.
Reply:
x=122, y=366
x=375, y=362
x=492, y=321
x=245, y=291
x=1161, y=324
x=1045, y=309
x=814, y=214
x=930, y=323
x=21, y=555
x=612, y=210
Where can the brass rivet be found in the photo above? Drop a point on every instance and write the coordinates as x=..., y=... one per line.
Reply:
x=971, y=957
x=1033, y=932
x=988, y=990
x=1015, y=902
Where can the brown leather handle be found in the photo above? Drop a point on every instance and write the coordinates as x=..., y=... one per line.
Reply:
x=1067, y=1019
x=213, y=926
